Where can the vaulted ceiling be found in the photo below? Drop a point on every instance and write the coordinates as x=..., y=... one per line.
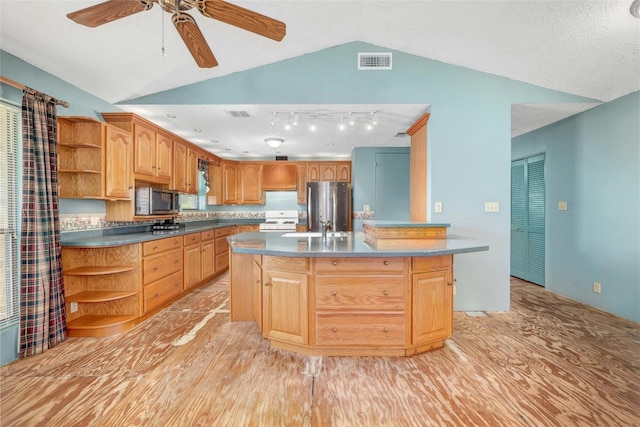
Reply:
x=585, y=48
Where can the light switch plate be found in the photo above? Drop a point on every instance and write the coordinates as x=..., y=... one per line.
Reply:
x=437, y=207
x=562, y=206
x=367, y=208
x=492, y=207
x=73, y=307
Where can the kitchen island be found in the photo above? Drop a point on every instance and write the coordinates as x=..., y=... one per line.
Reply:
x=349, y=294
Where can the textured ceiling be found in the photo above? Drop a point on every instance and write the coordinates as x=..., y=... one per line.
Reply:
x=585, y=48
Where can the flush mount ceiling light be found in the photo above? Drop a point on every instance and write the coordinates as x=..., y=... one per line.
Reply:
x=635, y=8
x=274, y=142
x=317, y=118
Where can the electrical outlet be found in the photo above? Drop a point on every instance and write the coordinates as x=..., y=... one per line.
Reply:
x=437, y=207
x=367, y=208
x=562, y=206
x=597, y=287
x=492, y=207
x=73, y=307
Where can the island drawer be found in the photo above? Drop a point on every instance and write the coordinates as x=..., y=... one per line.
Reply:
x=285, y=263
x=162, y=291
x=158, y=266
x=161, y=245
x=365, y=330
x=366, y=293
x=360, y=265
x=441, y=262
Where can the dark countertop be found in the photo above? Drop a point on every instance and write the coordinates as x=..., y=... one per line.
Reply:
x=345, y=245
x=134, y=234
x=403, y=224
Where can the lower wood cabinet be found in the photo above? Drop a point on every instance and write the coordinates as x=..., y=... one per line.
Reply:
x=375, y=306
x=222, y=248
x=116, y=287
x=161, y=272
x=285, y=300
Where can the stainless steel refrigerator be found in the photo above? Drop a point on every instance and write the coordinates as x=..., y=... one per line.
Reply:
x=329, y=201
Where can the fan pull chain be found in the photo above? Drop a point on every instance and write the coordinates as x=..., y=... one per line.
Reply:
x=163, y=54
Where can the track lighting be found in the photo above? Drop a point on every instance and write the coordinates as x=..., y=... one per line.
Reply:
x=316, y=118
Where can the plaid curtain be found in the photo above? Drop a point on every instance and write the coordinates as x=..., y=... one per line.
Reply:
x=42, y=303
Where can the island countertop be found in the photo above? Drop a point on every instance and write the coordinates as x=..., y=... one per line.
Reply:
x=348, y=245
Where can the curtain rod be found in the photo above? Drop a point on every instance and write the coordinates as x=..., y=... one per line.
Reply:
x=20, y=86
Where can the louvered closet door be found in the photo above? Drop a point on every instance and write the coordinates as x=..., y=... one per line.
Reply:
x=527, y=219
x=518, y=219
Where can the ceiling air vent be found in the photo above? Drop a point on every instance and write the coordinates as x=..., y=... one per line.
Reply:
x=374, y=61
x=238, y=114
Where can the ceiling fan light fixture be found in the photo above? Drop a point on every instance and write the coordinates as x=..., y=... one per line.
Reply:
x=274, y=142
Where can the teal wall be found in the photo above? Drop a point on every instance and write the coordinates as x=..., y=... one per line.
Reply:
x=593, y=163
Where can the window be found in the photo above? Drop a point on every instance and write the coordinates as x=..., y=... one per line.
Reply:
x=10, y=138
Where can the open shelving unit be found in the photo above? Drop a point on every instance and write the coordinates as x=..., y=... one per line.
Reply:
x=104, y=283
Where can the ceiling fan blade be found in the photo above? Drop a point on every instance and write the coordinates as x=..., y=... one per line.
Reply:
x=109, y=11
x=193, y=38
x=242, y=18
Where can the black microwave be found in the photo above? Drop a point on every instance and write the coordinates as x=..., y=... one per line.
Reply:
x=157, y=201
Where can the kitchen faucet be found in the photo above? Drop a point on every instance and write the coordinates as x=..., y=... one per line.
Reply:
x=326, y=225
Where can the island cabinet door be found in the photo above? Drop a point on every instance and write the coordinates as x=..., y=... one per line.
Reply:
x=285, y=302
x=432, y=307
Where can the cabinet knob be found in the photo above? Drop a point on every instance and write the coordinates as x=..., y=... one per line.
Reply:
x=266, y=284
x=385, y=262
x=334, y=262
x=178, y=285
x=155, y=268
x=156, y=295
x=385, y=330
x=334, y=330
x=385, y=293
x=177, y=261
x=258, y=281
x=334, y=293
x=155, y=247
x=449, y=283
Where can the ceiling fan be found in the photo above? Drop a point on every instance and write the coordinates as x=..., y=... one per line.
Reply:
x=185, y=24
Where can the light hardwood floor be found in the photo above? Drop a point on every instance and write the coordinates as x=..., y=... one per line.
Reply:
x=548, y=361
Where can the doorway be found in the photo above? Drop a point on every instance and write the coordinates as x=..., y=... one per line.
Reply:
x=392, y=186
x=528, y=219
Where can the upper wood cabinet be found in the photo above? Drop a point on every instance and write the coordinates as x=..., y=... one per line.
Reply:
x=302, y=183
x=93, y=159
x=313, y=172
x=343, y=171
x=118, y=153
x=192, y=171
x=327, y=171
x=250, y=190
x=229, y=183
x=279, y=176
x=179, y=177
x=153, y=158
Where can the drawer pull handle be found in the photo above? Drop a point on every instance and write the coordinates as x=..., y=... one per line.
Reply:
x=334, y=330
x=386, y=262
x=334, y=293
x=334, y=262
x=385, y=330
x=385, y=293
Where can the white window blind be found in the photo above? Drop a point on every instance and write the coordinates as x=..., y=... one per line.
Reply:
x=10, y=136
